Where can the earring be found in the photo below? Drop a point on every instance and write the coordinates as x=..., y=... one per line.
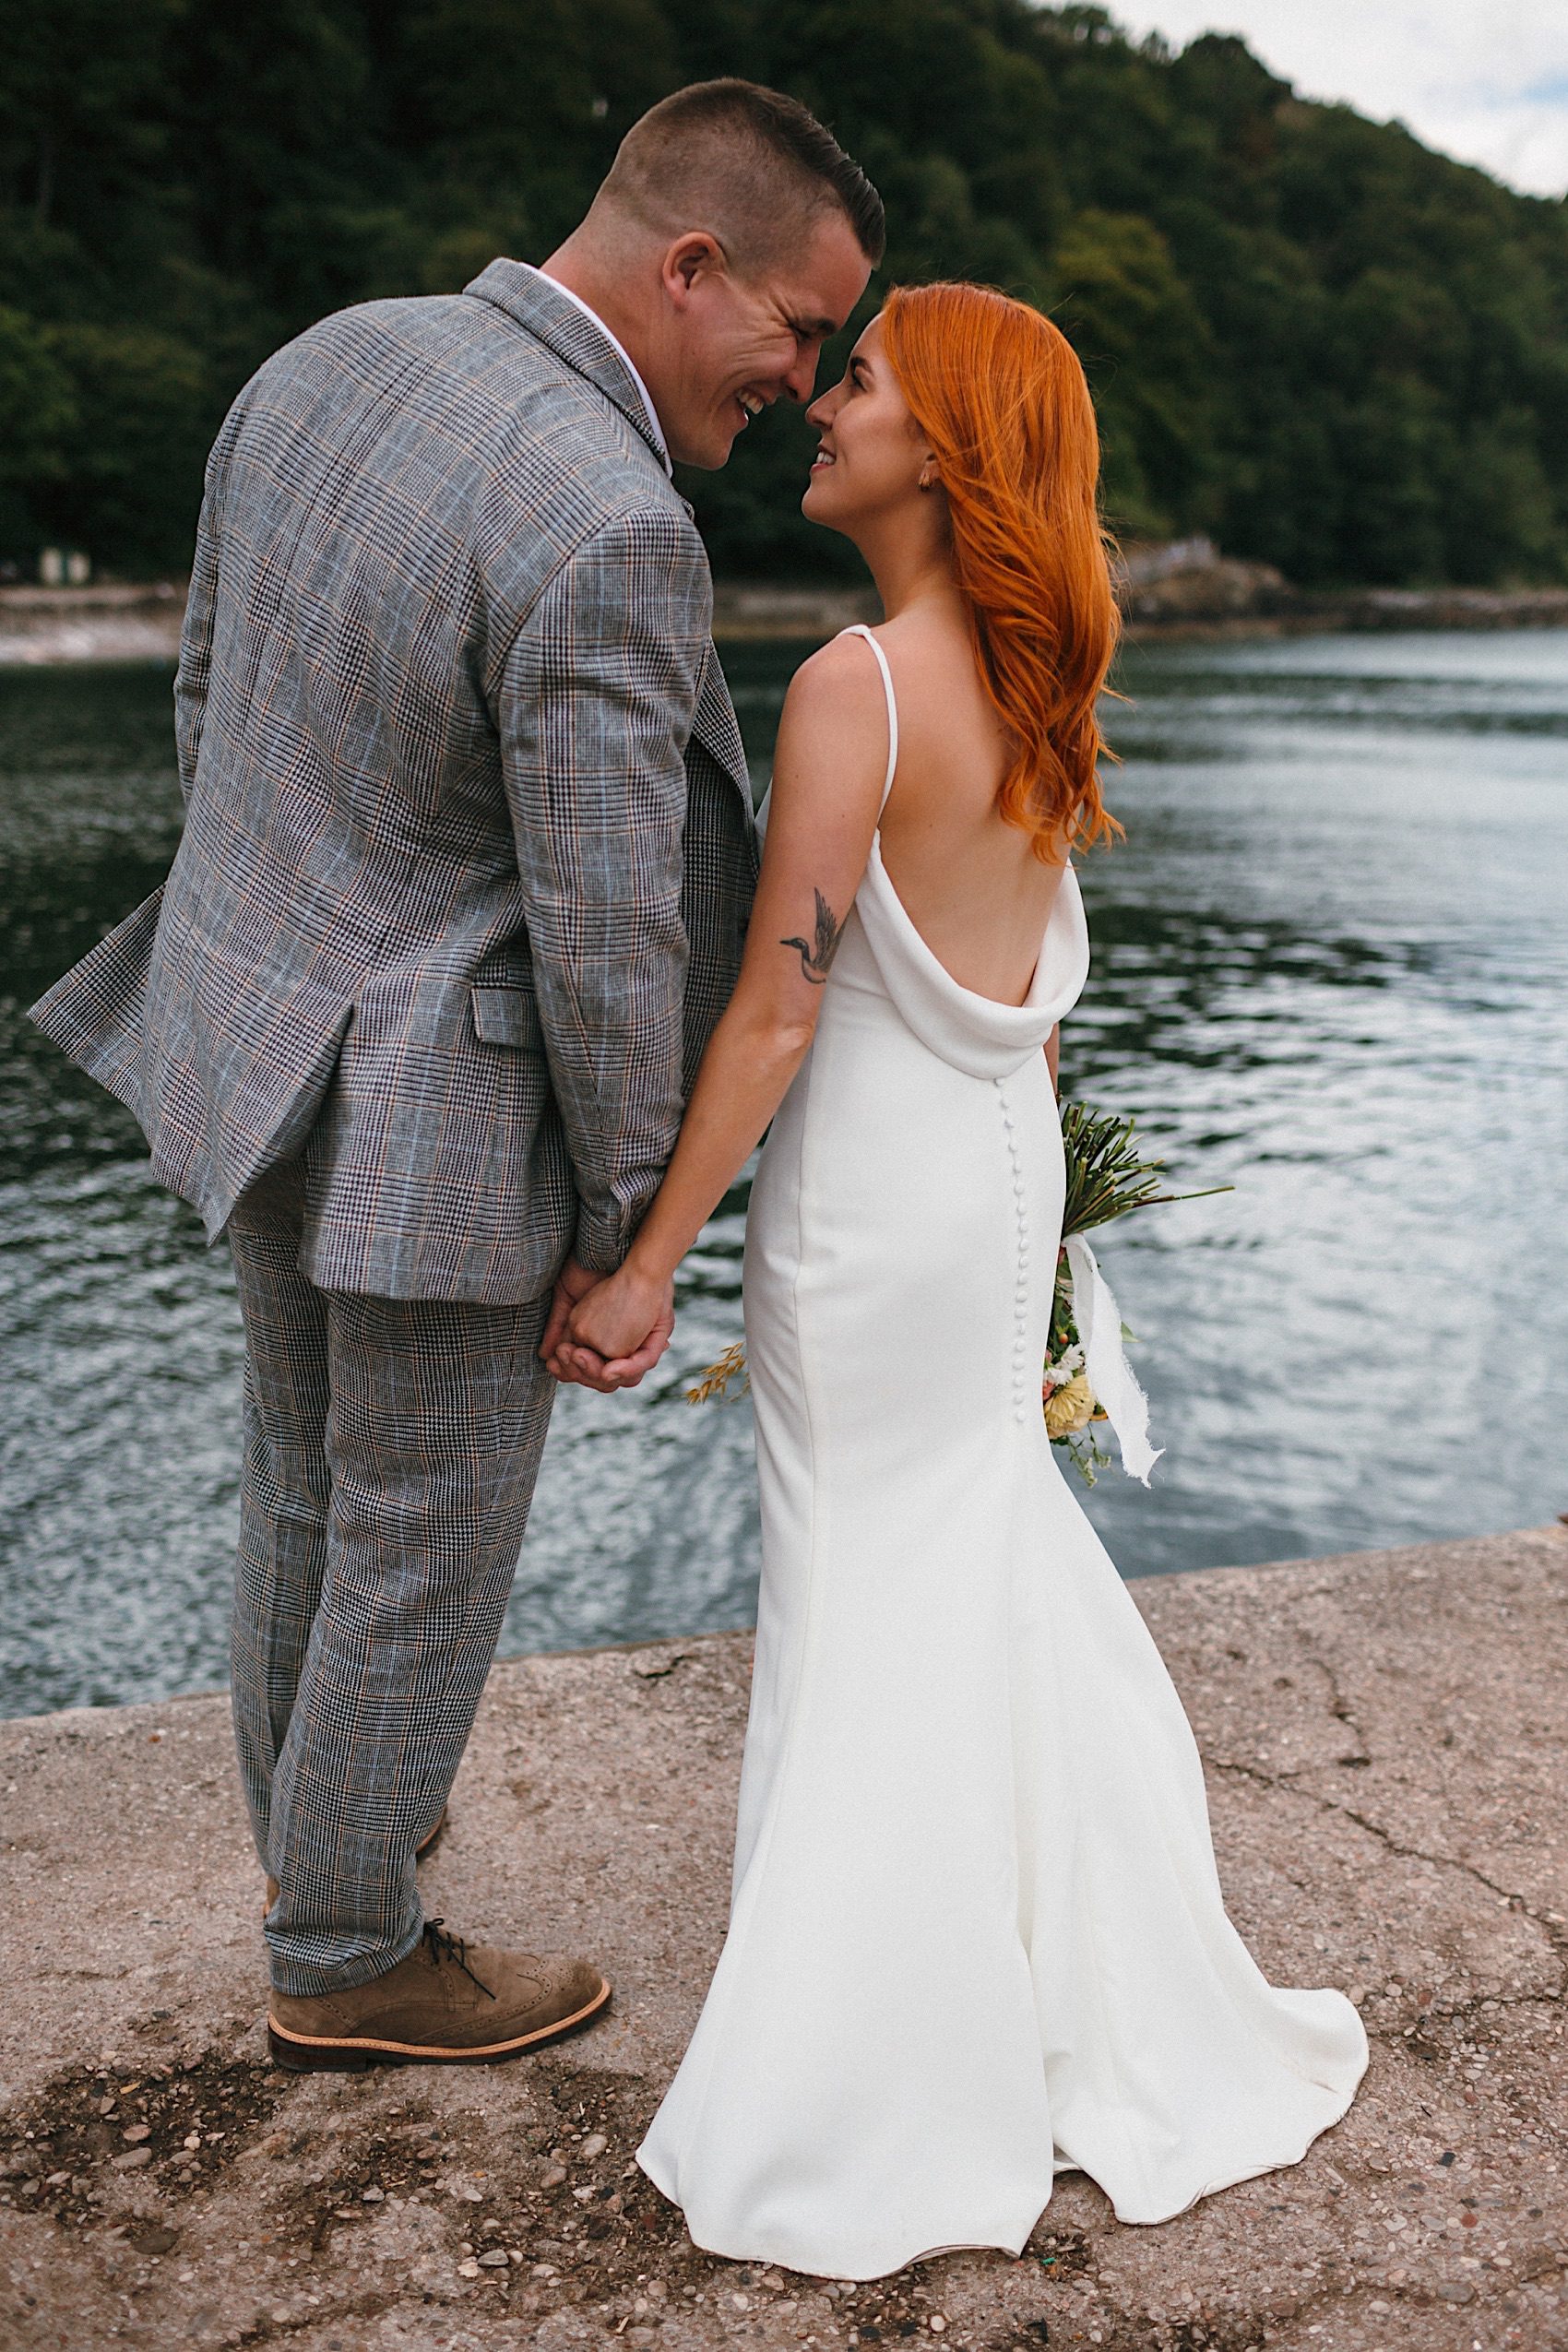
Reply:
x=925, y=481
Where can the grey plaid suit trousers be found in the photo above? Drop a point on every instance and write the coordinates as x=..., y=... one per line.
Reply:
x=390, y=1452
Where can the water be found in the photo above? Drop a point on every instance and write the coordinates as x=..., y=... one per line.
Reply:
x=1329, y=968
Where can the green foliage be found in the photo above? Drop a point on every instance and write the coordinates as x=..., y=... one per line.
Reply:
x=38, y=407
x=1306, y=334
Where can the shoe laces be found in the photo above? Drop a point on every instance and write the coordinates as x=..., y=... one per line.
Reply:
x=454, y=1948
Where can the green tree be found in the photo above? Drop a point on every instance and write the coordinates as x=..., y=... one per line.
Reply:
x=1304, y=331
x=142, y=405
x=1148, y=356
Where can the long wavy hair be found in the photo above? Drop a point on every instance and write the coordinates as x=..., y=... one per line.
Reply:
x=999, y=393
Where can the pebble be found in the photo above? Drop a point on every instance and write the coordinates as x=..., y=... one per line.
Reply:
x=554, y=2177
x=543, y=2270
x=373, y=2196
x=741, y=2302
x=192, y=2140
x=135, y=2134
x=494, y=2259
x=469, y=2269
x=937, y=2323
x=594, y=2146
x=132, y=2158
x=56, y=2179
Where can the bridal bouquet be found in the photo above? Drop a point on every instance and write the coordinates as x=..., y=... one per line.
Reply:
x=1087, y=1379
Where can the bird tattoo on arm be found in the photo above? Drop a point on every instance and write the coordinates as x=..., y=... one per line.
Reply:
x=816, y=960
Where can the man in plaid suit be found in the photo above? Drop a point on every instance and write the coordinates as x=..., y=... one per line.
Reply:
x=465, y=874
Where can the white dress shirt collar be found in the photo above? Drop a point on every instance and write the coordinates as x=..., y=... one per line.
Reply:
x=622, y=353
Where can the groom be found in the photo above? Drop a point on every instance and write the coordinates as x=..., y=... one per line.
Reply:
x=464, y=873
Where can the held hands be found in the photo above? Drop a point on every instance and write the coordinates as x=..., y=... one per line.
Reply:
x=606, y=1331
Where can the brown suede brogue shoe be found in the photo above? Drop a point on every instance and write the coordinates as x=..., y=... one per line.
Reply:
x=426, y=1845
x=449, y=2003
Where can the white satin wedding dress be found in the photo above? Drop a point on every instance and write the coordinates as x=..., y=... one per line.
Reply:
x=976, y=1936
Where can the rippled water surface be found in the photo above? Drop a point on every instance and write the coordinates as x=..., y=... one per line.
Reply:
x=1330, y=969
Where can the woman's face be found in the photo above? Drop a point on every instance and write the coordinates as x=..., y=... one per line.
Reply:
x=872, y=452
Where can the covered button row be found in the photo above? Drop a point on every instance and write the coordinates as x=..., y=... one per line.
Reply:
x=1022, y=1384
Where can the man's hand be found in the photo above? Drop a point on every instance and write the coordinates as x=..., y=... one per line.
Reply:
x=573, y=1282
x=631, y=1324
x=620, y=1329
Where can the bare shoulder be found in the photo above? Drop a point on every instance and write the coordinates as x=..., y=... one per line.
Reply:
x=837, y=679
x=833, y=731
x=836, y=699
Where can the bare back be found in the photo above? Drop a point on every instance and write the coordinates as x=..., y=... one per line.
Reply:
x=969, y=881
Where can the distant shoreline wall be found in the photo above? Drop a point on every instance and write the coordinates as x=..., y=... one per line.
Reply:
x=1201, y=594
x=43, y=627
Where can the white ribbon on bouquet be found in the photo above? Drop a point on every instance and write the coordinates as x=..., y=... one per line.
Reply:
x=1106, y=1368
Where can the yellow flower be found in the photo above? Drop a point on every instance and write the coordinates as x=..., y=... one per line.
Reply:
x=1070, y=1407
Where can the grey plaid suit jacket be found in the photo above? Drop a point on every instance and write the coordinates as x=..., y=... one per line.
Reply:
x=469, y=848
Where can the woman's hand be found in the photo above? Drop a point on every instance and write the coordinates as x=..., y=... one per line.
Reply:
x=619, y=1330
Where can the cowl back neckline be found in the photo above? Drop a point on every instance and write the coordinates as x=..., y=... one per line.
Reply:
x=974, y=1032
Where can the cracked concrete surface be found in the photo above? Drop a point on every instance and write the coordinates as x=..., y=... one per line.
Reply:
x=1384, y=1737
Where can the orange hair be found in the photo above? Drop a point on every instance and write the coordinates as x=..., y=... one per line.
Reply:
x=998, y=392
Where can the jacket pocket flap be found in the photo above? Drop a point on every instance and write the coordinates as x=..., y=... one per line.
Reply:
x=506, y=1017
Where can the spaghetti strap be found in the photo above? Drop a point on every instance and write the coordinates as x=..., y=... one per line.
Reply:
x=859, y=629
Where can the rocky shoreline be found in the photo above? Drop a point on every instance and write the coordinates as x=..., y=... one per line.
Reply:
x=1387, y=1762
x=47, y=627
x=1186, y=590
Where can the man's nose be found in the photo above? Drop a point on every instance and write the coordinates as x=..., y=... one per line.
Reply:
x=801, y=381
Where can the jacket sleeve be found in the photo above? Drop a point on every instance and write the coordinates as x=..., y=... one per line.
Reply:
x=595, y=712
x=201, y=600
x=196, y=648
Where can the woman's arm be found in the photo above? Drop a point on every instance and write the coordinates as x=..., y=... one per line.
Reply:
x=829, y=765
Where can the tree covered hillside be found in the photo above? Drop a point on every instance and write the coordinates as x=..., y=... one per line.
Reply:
x=1307, y=335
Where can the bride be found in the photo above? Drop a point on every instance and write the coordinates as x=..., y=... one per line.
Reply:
x=977, y=1937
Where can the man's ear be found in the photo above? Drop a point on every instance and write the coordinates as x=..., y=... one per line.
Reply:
x=697, y=254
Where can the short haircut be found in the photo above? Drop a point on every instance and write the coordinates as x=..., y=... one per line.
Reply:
x=750, y=164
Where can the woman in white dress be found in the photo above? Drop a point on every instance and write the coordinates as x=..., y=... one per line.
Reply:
x=976, y=1936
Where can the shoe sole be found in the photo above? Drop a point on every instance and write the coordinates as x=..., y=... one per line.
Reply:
x=325, y=2054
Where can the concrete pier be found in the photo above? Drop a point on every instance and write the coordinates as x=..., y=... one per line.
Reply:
x=1386, y=1743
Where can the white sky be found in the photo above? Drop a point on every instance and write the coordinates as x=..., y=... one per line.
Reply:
x=1486, y=80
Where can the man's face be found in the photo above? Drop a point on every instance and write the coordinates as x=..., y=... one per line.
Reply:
x=733, y=346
